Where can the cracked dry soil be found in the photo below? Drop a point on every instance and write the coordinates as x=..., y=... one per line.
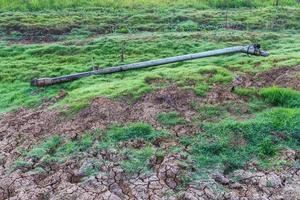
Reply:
x=27, y=127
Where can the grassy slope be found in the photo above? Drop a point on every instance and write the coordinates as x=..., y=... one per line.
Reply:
x=79, y=43
x=58, y=4
x=83, y=38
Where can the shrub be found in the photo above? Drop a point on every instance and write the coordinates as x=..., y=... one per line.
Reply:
x=281, y=96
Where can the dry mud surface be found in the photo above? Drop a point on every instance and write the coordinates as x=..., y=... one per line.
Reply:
x=25, y=128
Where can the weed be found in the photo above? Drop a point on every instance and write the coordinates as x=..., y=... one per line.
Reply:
x=170, y=119
x=20, y=164
x=47, y=147
x=37, y=170
x=210, y=113
x=134, y=131
x=85, y=142
x=201, y=89
x=266, y=148
x=136, y=160
x=92, y=168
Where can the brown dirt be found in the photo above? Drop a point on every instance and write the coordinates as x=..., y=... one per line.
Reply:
x=250, y=183
x=25, y=128
x=287, y=77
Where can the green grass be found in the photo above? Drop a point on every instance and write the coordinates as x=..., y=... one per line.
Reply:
x=78, y=41
x=137, y=160
x=134, y=131
x=281, y=97
x=170, y=119
x=245, y=91
x=232, y=143
x=201, y=89
x=47, y=147
x=55, y=4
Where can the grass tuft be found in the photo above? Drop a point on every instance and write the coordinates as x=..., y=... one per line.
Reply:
x=134, y=131
x=137, y=160
x=281, y=97
x=170, y=119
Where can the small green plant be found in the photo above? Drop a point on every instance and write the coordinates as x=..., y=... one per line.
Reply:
x=137, y=160
x=184, y=180
x=201, y=89
x=47, y=147
x=67, y=148
x=281, y=97
x=266, y=148
x=92, y=168
x=170, y=119
x=20, y=164
x=37, y=170
x=134, y=131
x=85, y=142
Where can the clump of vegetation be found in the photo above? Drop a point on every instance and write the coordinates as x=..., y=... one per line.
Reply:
x=232, y=143
x=170, y=119
x=20, y=164
x=188, y=26
x=134, y=131
x=201, y=89
x=249, y=92
x=218, y=74
x=137, y=160
x=281, y=97
x=47, y=147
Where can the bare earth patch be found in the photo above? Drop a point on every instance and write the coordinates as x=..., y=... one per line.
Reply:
x=288, y=77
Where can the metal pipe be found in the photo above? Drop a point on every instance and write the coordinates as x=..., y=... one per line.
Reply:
x=250, y=49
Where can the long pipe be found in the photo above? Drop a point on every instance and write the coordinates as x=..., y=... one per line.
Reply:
x=250, y=49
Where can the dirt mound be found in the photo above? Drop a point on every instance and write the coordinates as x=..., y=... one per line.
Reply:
x=283, y=77
x=288, y=77
x=166, y=100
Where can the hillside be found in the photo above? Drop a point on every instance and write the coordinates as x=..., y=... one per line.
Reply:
x=225, y=127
